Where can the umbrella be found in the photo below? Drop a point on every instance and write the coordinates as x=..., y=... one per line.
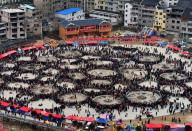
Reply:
x=101, y=120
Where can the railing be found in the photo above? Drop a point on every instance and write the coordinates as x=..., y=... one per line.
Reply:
x=104, y=29
x=31, y=122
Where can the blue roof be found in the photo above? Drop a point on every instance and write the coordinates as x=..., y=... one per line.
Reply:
x=68, y=11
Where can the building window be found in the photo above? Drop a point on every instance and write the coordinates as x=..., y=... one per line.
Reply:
x=183, y=29
x=190, y=29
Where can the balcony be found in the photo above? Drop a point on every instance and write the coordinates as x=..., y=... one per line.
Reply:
x=72, y=32
x=2, y=33
x=2, y=28
x=105, y=29
x=88, y=29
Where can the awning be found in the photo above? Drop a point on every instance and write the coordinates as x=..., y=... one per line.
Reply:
x=44, y=113
x=33, y=47
x=173, y=125
x=188, y=124
x=71, y=117
x=185, y=53
x=89, y=119
x=7, y=54
x=174, y=47
x=38, y=111
x=5, y=104
x=77, y=118
x=154, y=126
x=24, y=109
x=57, y=116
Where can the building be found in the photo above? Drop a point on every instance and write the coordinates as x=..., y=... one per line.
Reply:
x=111, y=5
x=107, y=5
x=71, y=14
x=2, y=2
x=121, y=5
x=3, y=28
x=88, y=5
x=74, y=3
x=15, y=21
x=159, y=21
x=49, y=7
x=112, y=17
x=33, y=20
x=147, y=11
x=87, y=27
x=186, y=24
x=174, y=16
x=131, y=14
x=169, y=3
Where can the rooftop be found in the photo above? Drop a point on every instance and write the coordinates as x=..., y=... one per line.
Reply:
x=187, y=14
x=150, y=2
x=68, y=11
x=108, y=13
x=12, y=10
x=27, y=7
x=86, y=22
x=183, y=4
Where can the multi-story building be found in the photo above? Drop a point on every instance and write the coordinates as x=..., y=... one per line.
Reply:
x=186, y=23
x=74, y=3
x=131, y=14
x=88, y=27
x=159, y=21
x=174, y=16
x=107, y=5
x=88, y=5
x=71, y=14
x=33, y=20
x=169, y=3
x=112, y=17
x=2, y=2
x=49, y=7
x=147, y=11
x=15, y=20
x=3, y=28
x=121, y=4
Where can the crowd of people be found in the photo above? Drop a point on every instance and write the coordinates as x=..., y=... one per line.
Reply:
x=120, y=58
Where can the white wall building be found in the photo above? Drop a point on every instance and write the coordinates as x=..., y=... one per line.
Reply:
x=15, y=20
x=8, y=1
x=112, y=17
x=71, y=14
x=3, y=29
x=33, y=20
x=131, y=15
x=169, y=3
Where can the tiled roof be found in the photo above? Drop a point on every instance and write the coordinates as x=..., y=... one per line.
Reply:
x=150, y=2
x=85, y=22
x=187, y=14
